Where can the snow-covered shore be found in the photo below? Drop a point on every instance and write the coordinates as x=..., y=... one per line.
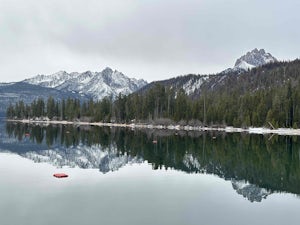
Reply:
x=250, y=130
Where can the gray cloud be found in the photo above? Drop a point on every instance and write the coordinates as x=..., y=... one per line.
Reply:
x=142, y=38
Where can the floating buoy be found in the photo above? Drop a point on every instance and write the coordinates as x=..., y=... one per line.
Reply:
x=60, y=175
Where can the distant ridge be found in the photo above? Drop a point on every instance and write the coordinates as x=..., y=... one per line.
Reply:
x=10, y=93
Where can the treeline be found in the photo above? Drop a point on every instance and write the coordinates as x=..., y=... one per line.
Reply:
x=279, y=107
x=67, y=109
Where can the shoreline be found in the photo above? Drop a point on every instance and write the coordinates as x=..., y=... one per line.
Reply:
x=228, y=129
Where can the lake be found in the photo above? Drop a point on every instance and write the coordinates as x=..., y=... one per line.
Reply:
x=123, y=176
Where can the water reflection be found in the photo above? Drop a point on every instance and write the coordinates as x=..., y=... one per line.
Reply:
x=257, y=165
x=250, y=191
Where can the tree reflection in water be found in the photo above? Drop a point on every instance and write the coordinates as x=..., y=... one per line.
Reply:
x=257, y=165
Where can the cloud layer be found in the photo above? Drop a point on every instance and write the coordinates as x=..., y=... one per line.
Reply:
x=142, y=38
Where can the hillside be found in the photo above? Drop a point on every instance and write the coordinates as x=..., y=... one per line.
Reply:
x=193, y=84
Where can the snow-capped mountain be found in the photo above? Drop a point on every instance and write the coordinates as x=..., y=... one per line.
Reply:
x=253, y=59
x=250, y=60
x=94, y=84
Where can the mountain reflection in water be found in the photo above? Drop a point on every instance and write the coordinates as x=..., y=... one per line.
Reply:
x=256, y=165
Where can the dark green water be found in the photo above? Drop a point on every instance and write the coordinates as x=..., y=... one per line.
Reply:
x=122, y=176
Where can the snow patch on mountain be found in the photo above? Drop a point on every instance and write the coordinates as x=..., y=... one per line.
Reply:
x=94, y=84
x=245, y=66
x=193, y=84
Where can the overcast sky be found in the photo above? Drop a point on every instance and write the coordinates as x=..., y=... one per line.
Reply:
x=150, y=39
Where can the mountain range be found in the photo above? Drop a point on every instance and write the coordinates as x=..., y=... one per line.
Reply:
x=111, y=83
x=63, y=85
x=96, y=85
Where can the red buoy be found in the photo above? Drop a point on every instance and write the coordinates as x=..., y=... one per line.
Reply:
x=60, y=175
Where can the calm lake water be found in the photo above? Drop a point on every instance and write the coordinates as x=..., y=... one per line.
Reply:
x=122, y=176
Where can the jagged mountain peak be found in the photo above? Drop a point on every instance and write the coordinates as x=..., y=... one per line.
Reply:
x=254, y=58
x=94, y=84
x=61, y=72
x=108, y=70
